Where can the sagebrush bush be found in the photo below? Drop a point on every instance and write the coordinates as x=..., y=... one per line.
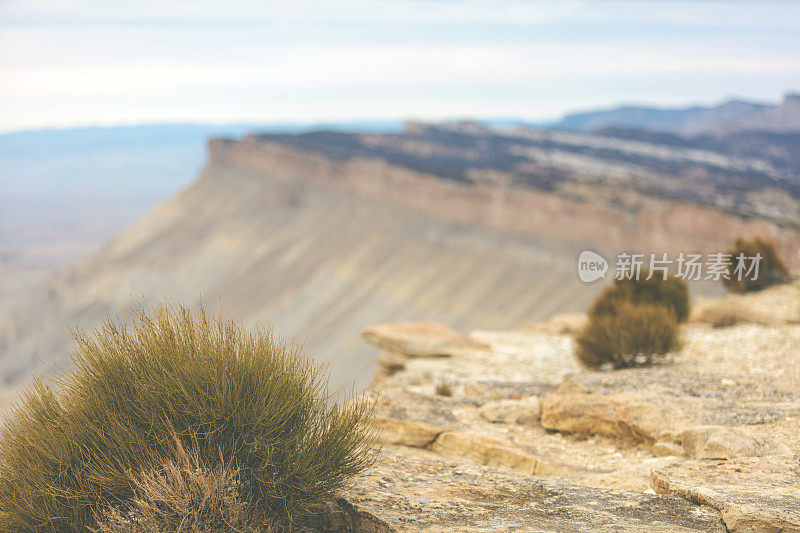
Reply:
x=672, y=293
x=634, y=335
x=243, y=398
x=771, y=269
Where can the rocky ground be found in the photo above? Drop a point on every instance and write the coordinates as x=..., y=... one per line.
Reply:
x=503, y=431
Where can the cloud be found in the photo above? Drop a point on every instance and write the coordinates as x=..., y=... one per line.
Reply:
x=78, y=62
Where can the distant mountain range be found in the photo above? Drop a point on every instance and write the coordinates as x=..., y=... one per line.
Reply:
x=728, y=117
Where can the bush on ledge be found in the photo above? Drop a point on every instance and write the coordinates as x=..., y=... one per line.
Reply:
x=138, y=392
x=672, y=293
x=771, y=270
x=634, y=335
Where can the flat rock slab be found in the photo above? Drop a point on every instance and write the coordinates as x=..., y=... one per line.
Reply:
x=410, y=494
x=411, y=406
x=752, y=494
x=421, y=339
x=702, y=412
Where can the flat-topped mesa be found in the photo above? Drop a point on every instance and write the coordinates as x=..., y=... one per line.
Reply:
x=529, y=185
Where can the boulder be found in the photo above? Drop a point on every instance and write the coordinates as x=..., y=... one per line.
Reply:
x=421, y=339
x=627, y=416
x=752, y=494
x=412, y=495
x=525, y=411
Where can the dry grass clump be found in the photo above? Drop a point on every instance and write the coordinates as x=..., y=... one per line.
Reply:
x=239, y=400
x=771, y=271
x=634, y=335
x=186, y=496
x=445, y=388
x=672, y=293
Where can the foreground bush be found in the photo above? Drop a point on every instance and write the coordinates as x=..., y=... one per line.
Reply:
x=634, y=335
x=672, y=293
x=771, y=270
x=240, y=399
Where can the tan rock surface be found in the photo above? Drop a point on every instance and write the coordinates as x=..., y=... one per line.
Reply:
x=729, y=391
x=408, y=494
x=406, y=432
x=428, y=425
x=709, y=414
x=421, y=339
x=764, y=352
x=389, y=364
x=752, y=494
x=523, y=411
x=776, y=305
x=722, y=442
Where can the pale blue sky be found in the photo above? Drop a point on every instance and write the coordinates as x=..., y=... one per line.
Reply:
x=73, y=63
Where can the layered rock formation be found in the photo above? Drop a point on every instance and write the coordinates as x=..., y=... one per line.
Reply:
x=315, y=262
x=718, y=431
x=586, y=177
x=321, y=234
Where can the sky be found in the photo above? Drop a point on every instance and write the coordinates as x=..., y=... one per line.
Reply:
x=68, y=63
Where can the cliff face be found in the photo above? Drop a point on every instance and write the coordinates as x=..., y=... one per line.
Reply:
x=317, y=263
x=319, y=235
x=653, y=225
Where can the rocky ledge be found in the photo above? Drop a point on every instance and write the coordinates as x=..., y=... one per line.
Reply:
x=503, y=431
x=405, y=493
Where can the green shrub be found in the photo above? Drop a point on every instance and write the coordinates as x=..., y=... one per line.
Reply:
x=243, y=398
x=634, y=335
x=771, y=269
x=672, y=293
